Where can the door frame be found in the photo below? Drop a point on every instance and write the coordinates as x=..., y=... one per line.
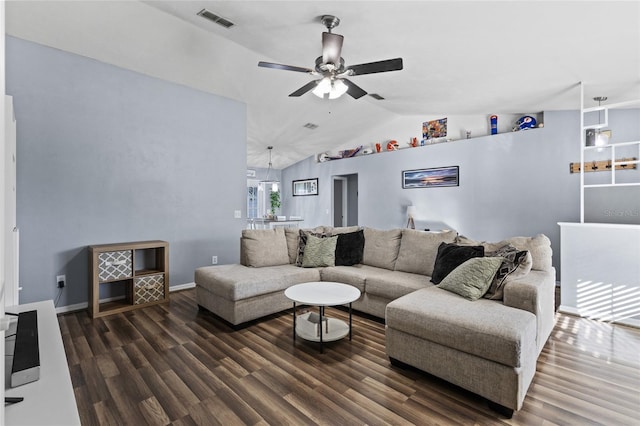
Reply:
x=345, y=200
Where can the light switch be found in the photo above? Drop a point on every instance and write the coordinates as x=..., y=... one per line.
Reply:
x=237, y=214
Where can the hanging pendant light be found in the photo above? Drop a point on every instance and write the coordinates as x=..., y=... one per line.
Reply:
x=266, y=181
x=601, y=138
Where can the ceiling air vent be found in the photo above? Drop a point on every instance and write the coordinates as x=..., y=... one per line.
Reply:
x=215, y=18
x=311, y=126
x=376, y=96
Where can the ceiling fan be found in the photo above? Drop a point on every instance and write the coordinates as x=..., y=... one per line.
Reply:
x=331, y=67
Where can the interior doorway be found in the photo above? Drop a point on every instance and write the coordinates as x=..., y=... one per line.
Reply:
x=345, y=200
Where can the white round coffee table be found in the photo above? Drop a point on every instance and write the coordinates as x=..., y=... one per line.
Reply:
x=317, y=327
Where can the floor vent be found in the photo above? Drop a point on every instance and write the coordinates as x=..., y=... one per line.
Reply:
x=311, y=126
x=215, y=18
x=376, y=96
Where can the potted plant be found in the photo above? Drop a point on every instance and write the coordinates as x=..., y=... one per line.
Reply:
x=275, y=202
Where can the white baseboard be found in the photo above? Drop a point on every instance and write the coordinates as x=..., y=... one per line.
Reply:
x=85, y=305
x=72, y=308
x=631, y=322
x=179, y=287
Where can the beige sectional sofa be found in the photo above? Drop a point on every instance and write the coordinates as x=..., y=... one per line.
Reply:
x=489, y=347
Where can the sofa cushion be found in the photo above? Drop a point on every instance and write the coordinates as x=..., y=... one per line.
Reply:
x=418, y=250
x=472, y=279
x=514, y=263
x=353, y=275
x=393, y=284
x=349, y=248
x=265, y=247
x=450, y=256
x=238, y=282
x=343, y=229
x=319, y=252
x=484, y=328
x=381, y=247
x=539, y=247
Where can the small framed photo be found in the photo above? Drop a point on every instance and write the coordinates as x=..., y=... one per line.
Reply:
x=305, y=187
x=434, y=129
x=431, y=178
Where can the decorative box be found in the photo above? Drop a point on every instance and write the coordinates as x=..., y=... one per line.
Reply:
x=148, y=289
x=115, y=265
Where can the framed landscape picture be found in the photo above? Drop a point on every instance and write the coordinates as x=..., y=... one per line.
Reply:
x=431, y=178
x=305, y=187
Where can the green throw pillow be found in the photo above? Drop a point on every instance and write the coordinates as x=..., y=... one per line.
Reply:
x=319, y=252
x=472, y=279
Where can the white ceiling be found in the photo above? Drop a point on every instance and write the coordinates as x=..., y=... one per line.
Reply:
x=460, y=58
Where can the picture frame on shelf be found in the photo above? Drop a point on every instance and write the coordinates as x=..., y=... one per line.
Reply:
x=434, y=129
x=435, y=177
x=305, y=187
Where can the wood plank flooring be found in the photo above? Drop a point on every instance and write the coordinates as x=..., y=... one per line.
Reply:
x=171, y=364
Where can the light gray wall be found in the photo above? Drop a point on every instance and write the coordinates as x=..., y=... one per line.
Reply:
x=510, y=184
x=110, y=155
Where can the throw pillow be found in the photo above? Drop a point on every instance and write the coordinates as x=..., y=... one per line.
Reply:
x=319, y=252
x=450, y=256
x=512, y=260
x=349, y=248
x=292, y=236
x=472, y=279
x=302, y=242
x=539, y=247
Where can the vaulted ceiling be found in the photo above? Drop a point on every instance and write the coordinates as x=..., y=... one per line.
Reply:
x=460, y=58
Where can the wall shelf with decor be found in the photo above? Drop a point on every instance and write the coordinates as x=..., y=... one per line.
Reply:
x=140, y=270
x=389, y=146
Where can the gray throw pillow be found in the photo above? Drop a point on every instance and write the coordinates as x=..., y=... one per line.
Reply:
x=472, y=279
x=513, y=260
x=319, y=252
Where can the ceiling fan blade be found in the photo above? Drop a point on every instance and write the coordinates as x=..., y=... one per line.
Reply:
x=331, y=48
x=374, y=67
x=304, y=89
x=284, y=67
x=354, y=90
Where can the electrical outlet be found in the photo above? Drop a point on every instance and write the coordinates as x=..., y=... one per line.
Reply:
x=60, y=281
x=214, y=260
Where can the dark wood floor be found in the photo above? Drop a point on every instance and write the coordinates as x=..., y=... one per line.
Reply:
x=170, y=364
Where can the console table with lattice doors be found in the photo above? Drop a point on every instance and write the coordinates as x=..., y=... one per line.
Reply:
x=127, y=276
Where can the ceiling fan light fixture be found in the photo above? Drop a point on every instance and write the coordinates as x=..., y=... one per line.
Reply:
x=331, y=88
x=338, y=88
x=323, y=86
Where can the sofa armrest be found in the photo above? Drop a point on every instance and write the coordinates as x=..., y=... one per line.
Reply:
x=535, y=293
